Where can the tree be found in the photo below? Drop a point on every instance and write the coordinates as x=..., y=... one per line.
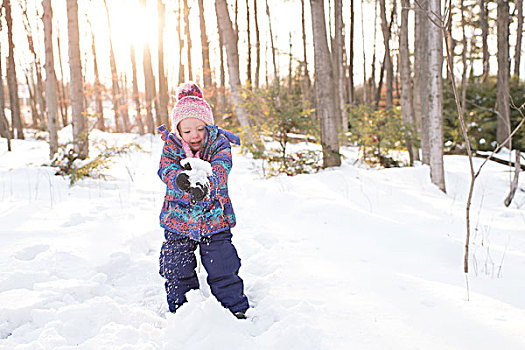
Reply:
x=274, y=58
x=101, y=125
x=407, y=104
x=306, y=84
x=80, y=127
x=14, y=104
x=519, y=35
x=188, y=37
x=385, y=27
x=421, y=78
x=339, y=75
x=435, y=100
x=135, y=84
x=351, y=92
x=230, y=40
x=38, y=86
x=163, y=84
x=115, y=90
x=4, y=124
x=502, y=105
x=205, y=44
x=257, y=45
x=484, y=37
x=325, y=89
x=249, y=44
x=51, y=94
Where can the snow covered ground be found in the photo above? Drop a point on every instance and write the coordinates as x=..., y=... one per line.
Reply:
x=348, y=258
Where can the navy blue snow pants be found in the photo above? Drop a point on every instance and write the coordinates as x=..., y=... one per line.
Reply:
x=220, y=259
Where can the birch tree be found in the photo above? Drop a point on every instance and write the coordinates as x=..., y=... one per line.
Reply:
x=325, y=89
x=421, y=78
x=337, y=52
x=407, y=105
x=51, y=94
x=12, y=83
x=435, y=100
x=80, y=127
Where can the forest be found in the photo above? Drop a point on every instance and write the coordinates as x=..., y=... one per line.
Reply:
x=428, y=78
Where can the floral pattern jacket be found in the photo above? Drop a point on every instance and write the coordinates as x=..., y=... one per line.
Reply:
x=213, y=214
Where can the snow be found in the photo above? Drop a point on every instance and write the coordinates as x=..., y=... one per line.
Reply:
x=348, y=257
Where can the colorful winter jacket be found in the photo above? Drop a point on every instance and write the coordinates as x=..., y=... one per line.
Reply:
x=215, y=213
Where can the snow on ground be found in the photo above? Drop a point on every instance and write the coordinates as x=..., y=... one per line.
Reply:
x=345, y=258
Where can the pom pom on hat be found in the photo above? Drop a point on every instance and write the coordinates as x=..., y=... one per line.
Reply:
x=189, y=89
x=190, y=104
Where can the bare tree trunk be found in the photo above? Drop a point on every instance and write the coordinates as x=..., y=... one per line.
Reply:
x=163, y=85
x=257, y=45
x=464, y=80
x=38, y=90
x=135, y=84
x=205, y=44
x=365, y=97
x=324, y=87
x=62, y=94
x=385, y=26
x=373, y=73
x=274, y=59
x=5, y=130
x=337, y=52
x=351, y=88
x=514, y=184
x=421, y=79
x=188, y=38
x=124, y=102
x=306, y=83
x=484, y=38
x=407, y=107
x=101, y=125
x=222, y=73
x=290, y=56
x=32, y=100
x=225, y=26
x=181, y=43
x=114, y=77
x=502, y=105
x=14, y=104
x=249, y=63
x=149, y=81
x=435, y=103
x=80, y=127
x=51, y=94
x=519, y=35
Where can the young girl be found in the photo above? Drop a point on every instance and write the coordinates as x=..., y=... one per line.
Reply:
x=197, y=210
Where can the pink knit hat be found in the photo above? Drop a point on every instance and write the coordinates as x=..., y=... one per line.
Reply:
x=190, y=104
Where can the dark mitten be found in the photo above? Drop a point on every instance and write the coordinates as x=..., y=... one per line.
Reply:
x=198, y=192
x=183, y=182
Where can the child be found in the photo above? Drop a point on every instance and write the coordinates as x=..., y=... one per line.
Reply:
x=197, y=210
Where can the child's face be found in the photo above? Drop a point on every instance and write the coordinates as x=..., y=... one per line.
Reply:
x=193, y=132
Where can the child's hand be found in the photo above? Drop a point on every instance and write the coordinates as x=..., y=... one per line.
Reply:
x=194, y=179
x=183, y=182
x=198, y=193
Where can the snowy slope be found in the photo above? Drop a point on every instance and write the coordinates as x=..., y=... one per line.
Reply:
x=345, y=258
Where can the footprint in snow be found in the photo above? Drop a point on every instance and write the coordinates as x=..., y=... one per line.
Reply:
x=29, y=253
